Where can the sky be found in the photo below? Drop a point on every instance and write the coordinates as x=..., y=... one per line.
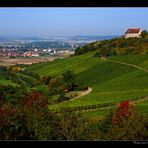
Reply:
x=52, y=21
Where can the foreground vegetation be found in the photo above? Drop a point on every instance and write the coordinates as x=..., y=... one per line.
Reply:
x=29, y=118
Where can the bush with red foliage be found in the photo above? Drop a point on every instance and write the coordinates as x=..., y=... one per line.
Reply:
x=7, y=112
x=126, y=123
x=36, y=115
x=34, y=99
x=123, y=108
x=123, y=111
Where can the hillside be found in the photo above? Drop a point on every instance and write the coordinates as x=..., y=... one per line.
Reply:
x=117, y=46
x=81, y=97
x=9, y=77
x=110, y=81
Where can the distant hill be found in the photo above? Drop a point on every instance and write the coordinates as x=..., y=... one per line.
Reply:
x=93, y=37
x=78, y=37
x=116, y=46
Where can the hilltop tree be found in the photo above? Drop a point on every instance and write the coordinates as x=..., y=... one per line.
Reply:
x=144, y=33
x=117, y=46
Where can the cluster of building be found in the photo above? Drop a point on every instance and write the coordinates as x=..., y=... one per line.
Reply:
x=4, y=52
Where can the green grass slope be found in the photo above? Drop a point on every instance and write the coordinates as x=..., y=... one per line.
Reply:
x=27, y=81
x=111, y=82
x=77, y=64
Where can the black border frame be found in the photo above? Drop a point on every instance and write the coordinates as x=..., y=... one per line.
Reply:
x=70, y=3
x=73, y=3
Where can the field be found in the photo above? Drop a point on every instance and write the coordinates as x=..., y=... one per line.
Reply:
x=110, y=82
x=27, y=60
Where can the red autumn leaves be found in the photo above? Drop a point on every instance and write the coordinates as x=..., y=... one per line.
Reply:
x=123, y=108
x=123, y=111
x=6, y=113
x=34, y=98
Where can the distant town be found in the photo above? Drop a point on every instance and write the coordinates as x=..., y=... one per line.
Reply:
x=32, y=50
x=36, y=47
x=23, y=48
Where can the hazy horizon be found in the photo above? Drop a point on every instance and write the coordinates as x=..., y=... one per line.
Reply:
x=49, y=22
x=38, y=36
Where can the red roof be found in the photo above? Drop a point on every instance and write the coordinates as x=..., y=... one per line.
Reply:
x=133, y=30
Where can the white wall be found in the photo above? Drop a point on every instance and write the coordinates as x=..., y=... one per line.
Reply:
x=131, y=35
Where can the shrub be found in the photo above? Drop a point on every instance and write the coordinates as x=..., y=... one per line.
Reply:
x=116, y=46
x=126, y=124
x=69, y=79
x=46, y=79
